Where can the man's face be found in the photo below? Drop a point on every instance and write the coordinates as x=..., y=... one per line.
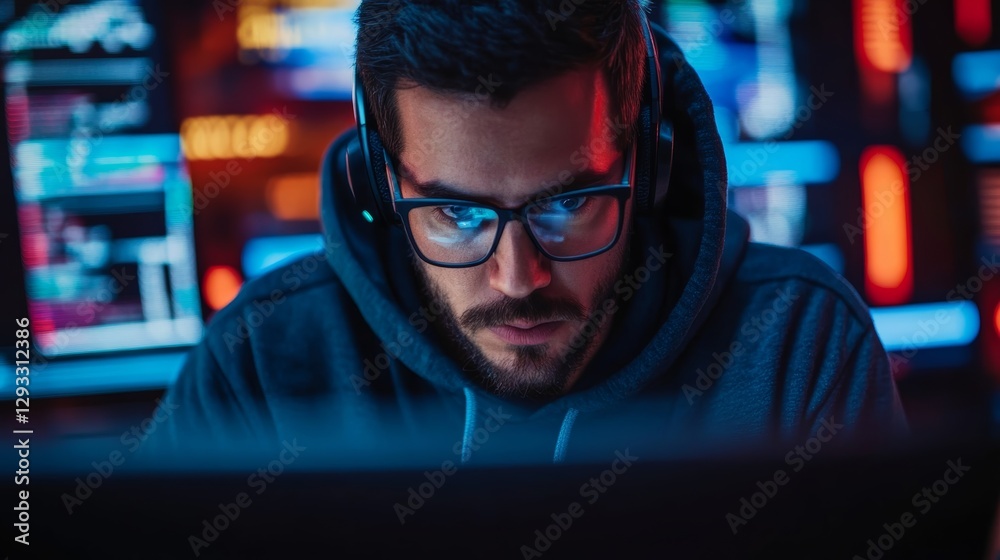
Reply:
x=518, y=319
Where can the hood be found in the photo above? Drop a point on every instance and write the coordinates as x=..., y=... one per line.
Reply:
x=704, y=241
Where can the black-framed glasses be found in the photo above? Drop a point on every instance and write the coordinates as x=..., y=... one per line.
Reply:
x=456, y=233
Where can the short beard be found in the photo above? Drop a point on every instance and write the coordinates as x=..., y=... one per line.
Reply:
x=531, y=372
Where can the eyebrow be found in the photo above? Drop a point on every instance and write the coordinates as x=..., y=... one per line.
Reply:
x=441, y=189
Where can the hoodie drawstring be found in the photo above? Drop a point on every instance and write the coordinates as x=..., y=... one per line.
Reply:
x=470, y=427
x=470, y=424
x=563, y=440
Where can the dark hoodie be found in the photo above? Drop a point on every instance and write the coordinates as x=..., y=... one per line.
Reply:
x=716, y=337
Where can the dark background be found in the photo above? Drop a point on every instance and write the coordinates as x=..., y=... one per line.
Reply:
x=897, y=80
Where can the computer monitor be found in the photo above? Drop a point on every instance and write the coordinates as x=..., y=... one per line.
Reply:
x=101, y=189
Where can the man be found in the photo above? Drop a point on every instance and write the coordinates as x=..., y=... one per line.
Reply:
x=508, y=332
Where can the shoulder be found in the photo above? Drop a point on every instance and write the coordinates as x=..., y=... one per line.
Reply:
x=765, y=264
x=308, y=275
x=286, y=294
x=298, y=276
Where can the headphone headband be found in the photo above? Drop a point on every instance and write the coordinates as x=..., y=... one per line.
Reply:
x=367, y=168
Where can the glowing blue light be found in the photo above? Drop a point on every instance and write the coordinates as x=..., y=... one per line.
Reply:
x=101, y=375
x=319, y=63
x=981, y=143
x=367, y=216
x=54, y=167
x=264, y=253
x=927, y=325
x=728, y=125
x=977, y=73
x=767, y=106
x=914, y=103
x=756, y=164
x=829, y=253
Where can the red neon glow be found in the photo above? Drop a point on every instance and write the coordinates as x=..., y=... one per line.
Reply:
x=18, y=124
x=878, y=87
x=888, y=239
x=882, y=35
x=991, y=336
x=990, y=110
x=974, y=21
x=222, y=283
x=42, y=324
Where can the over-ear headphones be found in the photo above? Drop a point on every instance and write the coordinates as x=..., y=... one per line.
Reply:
x=367, y=168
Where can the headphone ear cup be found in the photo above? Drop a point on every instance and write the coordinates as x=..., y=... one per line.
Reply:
x=643, y=178
x=381, y=193
x=357, y=180
x=665, y=156
x=368, y=183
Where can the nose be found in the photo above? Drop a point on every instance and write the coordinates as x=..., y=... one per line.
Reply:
x=517, y=268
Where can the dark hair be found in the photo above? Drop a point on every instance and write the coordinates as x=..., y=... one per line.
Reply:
x=500, y=46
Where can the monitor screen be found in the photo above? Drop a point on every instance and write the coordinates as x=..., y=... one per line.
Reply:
x=102, y=192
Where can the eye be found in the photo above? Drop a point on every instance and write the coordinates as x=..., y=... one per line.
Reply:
x=458, y=212
x=571, y=204
x=464, y=217
x=565, y=205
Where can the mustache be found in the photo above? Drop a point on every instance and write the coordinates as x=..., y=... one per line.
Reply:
x=534, y=309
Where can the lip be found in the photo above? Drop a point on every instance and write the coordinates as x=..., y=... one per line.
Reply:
x=527, y=334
